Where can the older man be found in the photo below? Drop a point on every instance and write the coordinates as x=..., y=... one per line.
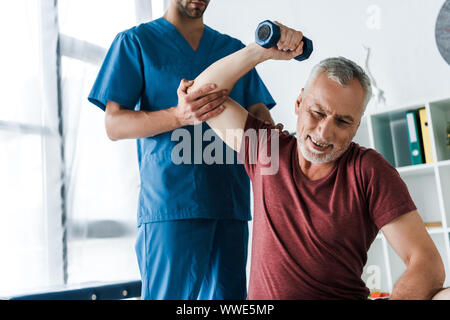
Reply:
x=318, y=213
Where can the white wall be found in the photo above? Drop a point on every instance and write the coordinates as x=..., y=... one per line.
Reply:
x=404, y=61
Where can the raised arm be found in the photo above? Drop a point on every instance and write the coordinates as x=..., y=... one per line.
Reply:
x=225, y=72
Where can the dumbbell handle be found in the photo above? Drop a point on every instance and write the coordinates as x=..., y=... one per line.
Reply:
x=268, y=34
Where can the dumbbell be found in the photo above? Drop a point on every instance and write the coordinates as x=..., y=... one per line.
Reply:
x=268, y=34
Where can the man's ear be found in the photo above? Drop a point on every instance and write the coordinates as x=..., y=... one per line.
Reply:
x=298, y=102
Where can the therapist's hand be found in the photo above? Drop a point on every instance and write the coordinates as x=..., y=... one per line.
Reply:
x=200, y=105
x=279, y=127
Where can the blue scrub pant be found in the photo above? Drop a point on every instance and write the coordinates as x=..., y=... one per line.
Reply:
x=192, y=259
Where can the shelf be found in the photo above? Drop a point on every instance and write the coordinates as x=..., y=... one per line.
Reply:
x=424, y=190
x=440, y=116
x=391, y=137
x=445, y=163
x=417, y=169
x=424, y=168
x=395, y=112
x=431, y=230
x=444, y=180
x=435, y=230
x=386, y=131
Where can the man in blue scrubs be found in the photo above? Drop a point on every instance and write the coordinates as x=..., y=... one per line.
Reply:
x=193, y=216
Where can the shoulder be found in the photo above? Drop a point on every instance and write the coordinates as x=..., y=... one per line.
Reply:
x=128, y=35
x=142, y=37
x=366, y=157
x=133, y=32
x=141, y=31
x=225, y=40
x=369, y=164
x=370, y=158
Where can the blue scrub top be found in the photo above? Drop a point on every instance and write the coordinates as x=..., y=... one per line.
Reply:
x=142, y=71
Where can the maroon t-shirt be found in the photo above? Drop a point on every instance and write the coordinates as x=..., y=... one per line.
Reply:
x=310, y=238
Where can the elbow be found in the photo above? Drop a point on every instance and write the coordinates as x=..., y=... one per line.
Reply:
x=437, y=272
x=113, y=116
x=439, y=269
x=431, y=268
x=441, y=273
x=112, y=137
x=111, y=131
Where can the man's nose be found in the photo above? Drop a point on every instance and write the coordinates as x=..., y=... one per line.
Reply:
x=326, y=129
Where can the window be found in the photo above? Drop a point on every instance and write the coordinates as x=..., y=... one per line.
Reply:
x=103, y=177
x=23, y=238
x=68, y=195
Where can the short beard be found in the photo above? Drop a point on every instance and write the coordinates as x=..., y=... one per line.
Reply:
x=194, y=14
x=317, y=157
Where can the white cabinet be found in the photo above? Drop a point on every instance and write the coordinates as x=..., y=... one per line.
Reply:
x=428, y=184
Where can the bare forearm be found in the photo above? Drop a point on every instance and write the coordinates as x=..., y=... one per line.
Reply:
x=228, y=70
x=128, y=124
x=420, y=281
x=225, y=73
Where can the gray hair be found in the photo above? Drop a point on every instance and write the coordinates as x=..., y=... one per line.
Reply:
x=342, y=71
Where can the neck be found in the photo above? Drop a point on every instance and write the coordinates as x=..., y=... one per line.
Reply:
x=313, y=171
x=191, y=29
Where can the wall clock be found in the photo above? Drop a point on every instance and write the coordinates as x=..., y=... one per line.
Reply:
x=442, y=31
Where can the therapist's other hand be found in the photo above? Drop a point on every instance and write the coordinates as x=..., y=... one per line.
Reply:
x=200, y=105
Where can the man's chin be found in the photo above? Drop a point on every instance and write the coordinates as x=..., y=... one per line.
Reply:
x=196, y=13
x=316, y=158
x=191, y=13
